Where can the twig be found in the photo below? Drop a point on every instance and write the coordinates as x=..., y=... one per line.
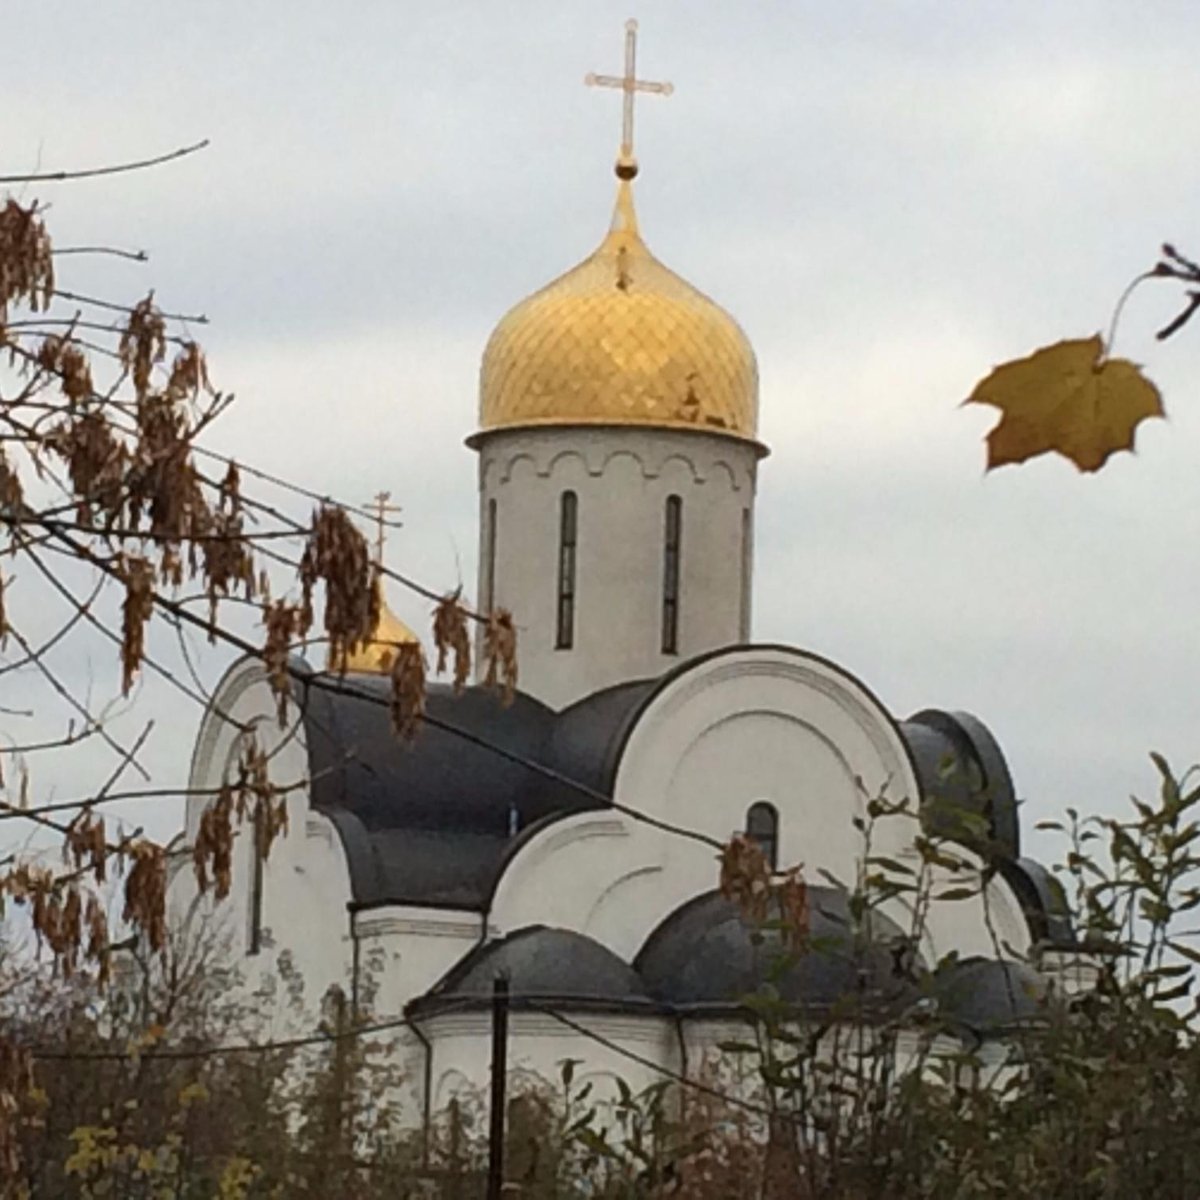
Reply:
x=80, y=708
x=201, y=319
x=134, y=255
x=92, y=172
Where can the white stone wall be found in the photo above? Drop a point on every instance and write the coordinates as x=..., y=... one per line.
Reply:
x=537, y=1046
x=404, y=950
x=622, y=478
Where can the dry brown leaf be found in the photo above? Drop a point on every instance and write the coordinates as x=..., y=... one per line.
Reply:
x=337, y=555
x=12, y=495
x=189, y=374
x=96, y=921
x=212, y=851
x=66, y=360
x=500, y=654
x=408, y=689
x=138, y=576
x=794, y=914
x=146, y=892
x=746, y=877
x=143, y=343
x=450, y=636
x=86, y=844
x=26, y=262
x=285, y=624
x=1068, y=398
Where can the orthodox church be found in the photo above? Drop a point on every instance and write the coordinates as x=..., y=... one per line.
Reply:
x=565, y=840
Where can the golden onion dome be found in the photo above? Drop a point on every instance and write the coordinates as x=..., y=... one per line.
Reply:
x=376, y=655
x=620, y=340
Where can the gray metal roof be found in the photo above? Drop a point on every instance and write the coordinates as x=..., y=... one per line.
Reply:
x=707, y=955
x=988, y=996
x=705, y=960
x=433, y=821
x=541, y=964
x=961, y=769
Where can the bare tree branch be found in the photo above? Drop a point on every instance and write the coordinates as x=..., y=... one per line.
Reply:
x=93, y=172
x=134, y=255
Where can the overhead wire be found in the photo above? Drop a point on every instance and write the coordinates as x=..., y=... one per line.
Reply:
x=661, y=1069
x=185, y=1054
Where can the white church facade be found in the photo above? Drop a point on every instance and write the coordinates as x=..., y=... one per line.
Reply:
x=540, y=840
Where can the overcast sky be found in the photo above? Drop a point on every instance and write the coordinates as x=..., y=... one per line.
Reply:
x=890, y=198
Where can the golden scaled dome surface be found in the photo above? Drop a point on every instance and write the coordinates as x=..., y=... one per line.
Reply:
x=620, y=340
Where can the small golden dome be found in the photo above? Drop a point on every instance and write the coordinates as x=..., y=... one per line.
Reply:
x=375, y=656
x=620, y=340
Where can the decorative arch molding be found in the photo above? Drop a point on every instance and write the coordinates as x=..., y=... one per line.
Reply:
x=706, y=458
x=215, y=730
x=453, y=1084
x=244, y=700
x=721, y=467
x=762, y=680
x=523, y=873
x=640, y=873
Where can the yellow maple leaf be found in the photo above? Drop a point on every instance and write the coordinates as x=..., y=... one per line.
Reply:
x=1068, y=398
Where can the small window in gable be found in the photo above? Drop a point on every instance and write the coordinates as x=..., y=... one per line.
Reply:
x=762, y=826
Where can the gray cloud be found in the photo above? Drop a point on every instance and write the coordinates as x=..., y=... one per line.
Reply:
x=890, y=198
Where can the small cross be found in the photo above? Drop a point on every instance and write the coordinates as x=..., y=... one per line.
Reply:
x=628, y=83
x=379, y=502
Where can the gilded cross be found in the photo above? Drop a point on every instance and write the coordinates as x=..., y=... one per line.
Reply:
x=379, y=502
x=629, y=83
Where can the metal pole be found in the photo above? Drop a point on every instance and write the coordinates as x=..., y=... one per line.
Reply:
x=495, y=1182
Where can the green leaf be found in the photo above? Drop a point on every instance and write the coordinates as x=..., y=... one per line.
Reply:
x=567, y=1070
x=957, y=893
x=1186, y=951
x=890, y=864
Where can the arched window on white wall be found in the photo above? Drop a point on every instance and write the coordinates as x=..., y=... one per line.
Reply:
x=762, y=826
x=255, y=942
x=747, y=574
x=672, y=538
x=489, y=599
x=250, y=832
x=568, y=533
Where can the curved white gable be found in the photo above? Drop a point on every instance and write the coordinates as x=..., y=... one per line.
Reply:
x=732, y=729
x=306, y=881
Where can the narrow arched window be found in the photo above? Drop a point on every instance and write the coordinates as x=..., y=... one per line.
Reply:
x=489, y=562
x=568, y=532
x=747, y=574
x=256, y=892
x=762, y=826
x=672, y=534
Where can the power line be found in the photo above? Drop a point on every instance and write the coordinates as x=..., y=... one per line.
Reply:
x=186, y=1054
x=665, y=1071
x=200, y=1052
